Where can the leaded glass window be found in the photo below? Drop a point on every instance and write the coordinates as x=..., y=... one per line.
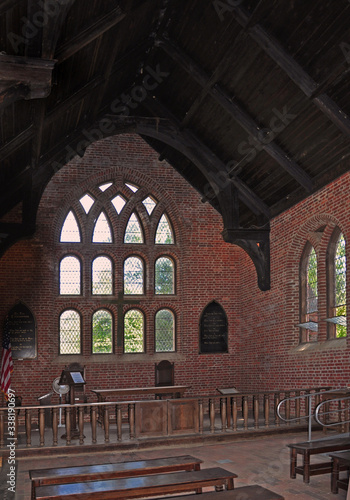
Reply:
x=105, y=186
x=340, y=287
x=311, y=306
x=70, y=276
x=308, y=295
x=70, y=332
x=118, y=203
x=132, y=187
x=165, y=331
x=70, y=232
x=102, y=332
x=133, y=231
x=102, y=277
x=164, y=234
x=164, y=276
x=133, y=331
x=133, y=276
x=87, y=201
x=150, y=204
x=102, y=231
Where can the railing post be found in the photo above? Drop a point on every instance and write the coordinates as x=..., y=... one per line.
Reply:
x=93, y=423
x=256, y=410
x=81, y=424
x=55, y=412
x=310, y=418
x=266, y=409
x=223, y=414
x=42, y=426
x=245, y=411
x=212, y=414
x=106, y=423
x=297, y=405
x=201, y=416
x=119, y=422
x=234, y=413
x=276, y=403
x=287, y=395
x=132, y=420
x=28, y=419
x=68, y=425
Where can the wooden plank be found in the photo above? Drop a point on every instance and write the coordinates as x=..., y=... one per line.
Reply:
x=242, y=493
x=17, y=142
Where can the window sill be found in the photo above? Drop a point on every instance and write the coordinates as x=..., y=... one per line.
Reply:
x=311, y=347
x=118, y=358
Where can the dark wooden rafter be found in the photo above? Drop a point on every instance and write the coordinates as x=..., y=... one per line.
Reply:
x=296, y=73
x=7, y=5
x=238, y=113
x=52, y=30
x=11, y=92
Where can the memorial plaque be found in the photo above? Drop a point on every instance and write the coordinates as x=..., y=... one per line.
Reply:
x=22, y=327
x=213, y=330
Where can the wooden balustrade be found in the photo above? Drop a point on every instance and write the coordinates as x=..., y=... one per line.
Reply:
x=113, y=422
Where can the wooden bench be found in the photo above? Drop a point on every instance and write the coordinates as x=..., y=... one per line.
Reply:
x=254, y=492
x=340, y=461
x=307, y=449
x=83, y=473
x=138, y=486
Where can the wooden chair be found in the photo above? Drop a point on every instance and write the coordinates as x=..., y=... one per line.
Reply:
x=164, y=373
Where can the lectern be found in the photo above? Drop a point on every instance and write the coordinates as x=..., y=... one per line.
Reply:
x=73, y=379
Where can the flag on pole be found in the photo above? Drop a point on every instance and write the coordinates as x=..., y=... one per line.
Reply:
x=6, y=361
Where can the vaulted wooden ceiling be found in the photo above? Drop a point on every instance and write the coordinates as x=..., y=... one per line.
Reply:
x=248, y=99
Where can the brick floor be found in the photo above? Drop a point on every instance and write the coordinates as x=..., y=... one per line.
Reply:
x=263, y=460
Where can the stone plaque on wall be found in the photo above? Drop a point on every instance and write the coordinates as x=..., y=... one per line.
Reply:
x=213, y=330
x=22, y=327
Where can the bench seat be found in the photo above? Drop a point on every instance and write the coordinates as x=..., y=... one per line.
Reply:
x=340, y=461
x=308, y=448
x=254, y=492
x=138, y=486
x=83, y=473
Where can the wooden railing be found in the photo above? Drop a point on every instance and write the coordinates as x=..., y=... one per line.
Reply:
x=113, y=422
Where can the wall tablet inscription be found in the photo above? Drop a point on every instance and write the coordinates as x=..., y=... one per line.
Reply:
x=213, y=330
x=22, y=327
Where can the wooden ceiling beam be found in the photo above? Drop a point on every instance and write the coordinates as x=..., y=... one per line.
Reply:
x=17, y=142
x=292, y=68
x=90, y=34
x=238, y=113
x=7, y=5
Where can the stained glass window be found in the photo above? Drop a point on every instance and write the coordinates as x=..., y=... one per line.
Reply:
x=70, y=276
x=102, y=230
x=164, y=234
x=165, y=331
x=164, y=276
x=118, y=203
x=149, y=204
x=102, y=279
x=87, y=201
x=70, y=232
x=133, y=276
x=102, y=332
x=133, y=231
x=133, y=331
x=70, y=332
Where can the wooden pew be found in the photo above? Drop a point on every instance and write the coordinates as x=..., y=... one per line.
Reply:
x=340, y=461
x=306, y=449
x=254, y=492
x=83, y=473
x=138, y=486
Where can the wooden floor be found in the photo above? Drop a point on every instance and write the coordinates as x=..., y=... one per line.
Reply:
x=263, y=460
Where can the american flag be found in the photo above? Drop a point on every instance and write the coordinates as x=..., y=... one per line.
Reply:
x=6, y=360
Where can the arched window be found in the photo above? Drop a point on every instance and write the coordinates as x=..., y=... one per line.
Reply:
x=102, y=277
x=133, y=276
x=118, y=202
x=336, y=267
x=133, y=331
x=164, y=233
x=70, y=232
x=133, y=231
x=309, y=295
x=102, y=230
x=164, y=276
x=102, y=332
x=70, y=276
x=165, y=331
x=70, y=332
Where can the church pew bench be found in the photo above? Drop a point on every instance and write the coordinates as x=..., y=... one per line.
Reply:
x=138, y=486
x=340, y=461
x=83, y=473
x=306, y=449
x=254, y=492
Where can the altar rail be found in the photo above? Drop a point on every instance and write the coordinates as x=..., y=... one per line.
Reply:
x=113, y=422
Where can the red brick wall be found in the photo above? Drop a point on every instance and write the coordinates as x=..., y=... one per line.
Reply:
x=207, y=269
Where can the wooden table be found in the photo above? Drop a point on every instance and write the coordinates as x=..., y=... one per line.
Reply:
x=340, y=461
x=176, y=390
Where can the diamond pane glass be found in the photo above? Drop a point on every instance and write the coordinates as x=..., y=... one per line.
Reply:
x=70, y=332
x=118, y=203
x=70, y=232
x=70, y=279
x=340, y=284
x=102, y=230
x=149, y=204
x=133, y=187
x=312, y=282
x=165, y=331
x=133, y=276
x=87, y=201
x=164, y=276
x=133, y=231
x=104, y=187
x=164, y=234
x=133, y=331
x=102, y=279
x=102, y=336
